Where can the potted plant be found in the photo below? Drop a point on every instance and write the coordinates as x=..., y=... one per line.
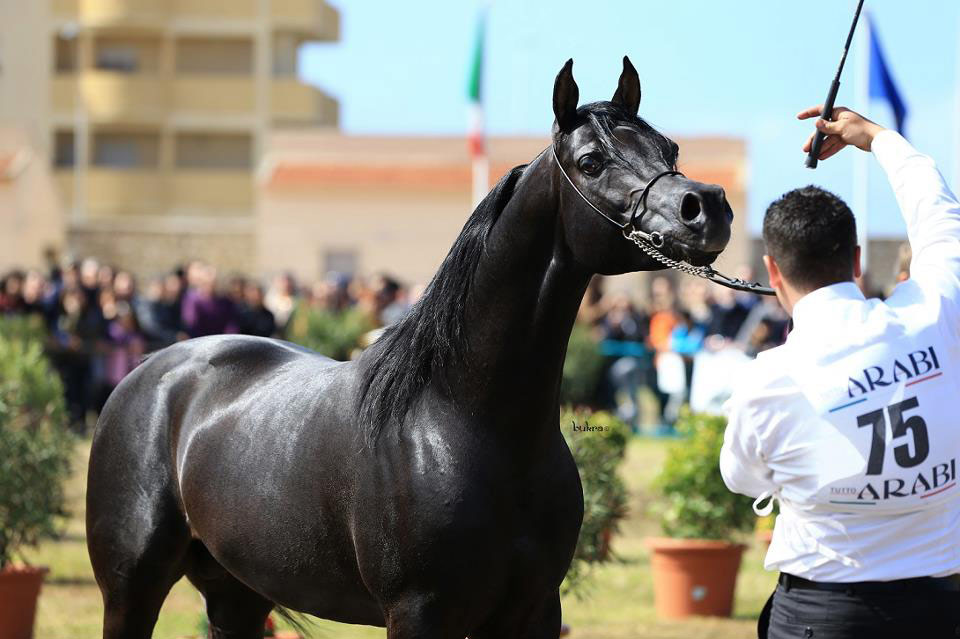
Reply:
x=695, y=566
x=34, y=461
x=598, y=442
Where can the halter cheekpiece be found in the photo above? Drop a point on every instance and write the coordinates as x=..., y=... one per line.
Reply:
x=650, y=243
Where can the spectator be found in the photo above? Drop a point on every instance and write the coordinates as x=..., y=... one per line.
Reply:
x=255, y=318
x=281, y=299
x=203, y=311
x=686, y=340
x=625, y=332
x=662, y=321
x=78, y=328
x=125, y=347
x=11, y=293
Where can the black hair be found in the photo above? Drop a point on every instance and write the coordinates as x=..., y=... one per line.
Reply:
x=603, y=117
x=431, y=337
x=812, y=235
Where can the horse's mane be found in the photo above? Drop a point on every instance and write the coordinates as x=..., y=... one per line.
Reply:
x=431, y=336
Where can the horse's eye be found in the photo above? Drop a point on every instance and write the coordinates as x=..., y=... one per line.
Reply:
x=590, y=164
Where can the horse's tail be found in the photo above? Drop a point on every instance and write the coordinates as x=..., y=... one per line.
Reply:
x=300, y=622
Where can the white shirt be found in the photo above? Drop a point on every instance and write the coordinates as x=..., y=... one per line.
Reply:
x=854, y=423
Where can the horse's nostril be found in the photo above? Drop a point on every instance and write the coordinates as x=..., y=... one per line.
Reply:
x=690, y=207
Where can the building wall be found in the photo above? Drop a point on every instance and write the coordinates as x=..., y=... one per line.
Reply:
x=152, y=252
x=153, y=112
x=396, y=204
x=32, y=221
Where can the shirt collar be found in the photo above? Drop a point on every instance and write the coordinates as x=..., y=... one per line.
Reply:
x=810, y=305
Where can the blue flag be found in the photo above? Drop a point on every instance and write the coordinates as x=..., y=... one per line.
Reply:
x=881, y=82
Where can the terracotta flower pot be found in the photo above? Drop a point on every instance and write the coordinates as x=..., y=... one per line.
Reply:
x=694, y=576
x=19, y=591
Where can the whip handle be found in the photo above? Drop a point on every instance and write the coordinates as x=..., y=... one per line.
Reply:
x=812, y=157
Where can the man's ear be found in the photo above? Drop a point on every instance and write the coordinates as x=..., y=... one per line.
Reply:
x=565, y=97
x=628, y=89
x=857, y=268
x=773, y=272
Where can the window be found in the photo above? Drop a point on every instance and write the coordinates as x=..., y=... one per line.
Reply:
x=342, y=261
x=214, y=151
x=65, y=55
x=126, y=150
x=63, y=149
x=127, y=55
x=286, y=46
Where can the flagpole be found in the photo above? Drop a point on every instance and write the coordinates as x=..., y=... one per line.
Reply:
x=477, y=135
x=861, y=192
x=481, y=161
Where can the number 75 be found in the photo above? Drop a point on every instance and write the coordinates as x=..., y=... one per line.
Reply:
x=914, y=423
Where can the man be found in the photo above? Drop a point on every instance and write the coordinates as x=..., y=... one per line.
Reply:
x=852, y=425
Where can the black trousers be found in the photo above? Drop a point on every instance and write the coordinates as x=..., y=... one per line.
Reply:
x=913, y=613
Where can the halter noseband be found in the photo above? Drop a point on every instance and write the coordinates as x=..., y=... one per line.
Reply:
x=649, y=243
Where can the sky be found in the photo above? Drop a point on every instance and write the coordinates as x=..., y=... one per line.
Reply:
x=732, y=68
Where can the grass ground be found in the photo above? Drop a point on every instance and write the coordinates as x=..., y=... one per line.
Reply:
x=618, y=605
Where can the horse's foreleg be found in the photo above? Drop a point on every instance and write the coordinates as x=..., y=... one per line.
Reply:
x=423, y=617
x=539, y=622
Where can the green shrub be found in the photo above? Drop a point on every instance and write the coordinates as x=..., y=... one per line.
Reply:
x=598, y=455
x=698, y=504
x=34, y=444
x=23, y=328
x=332, y=333
x=582, y=368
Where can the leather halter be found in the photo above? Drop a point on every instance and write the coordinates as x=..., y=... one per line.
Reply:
x=649, y=243
x=630, y=226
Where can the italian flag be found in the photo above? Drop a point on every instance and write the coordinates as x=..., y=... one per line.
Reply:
x=475, y=136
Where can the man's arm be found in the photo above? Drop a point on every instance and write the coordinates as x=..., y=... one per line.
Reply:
x=742, y=462
x=931, y=211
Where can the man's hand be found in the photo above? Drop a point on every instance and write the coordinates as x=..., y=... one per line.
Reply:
x=846, y=128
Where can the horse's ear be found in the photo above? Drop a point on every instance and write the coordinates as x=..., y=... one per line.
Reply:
x=628, y=90
x=565, y=97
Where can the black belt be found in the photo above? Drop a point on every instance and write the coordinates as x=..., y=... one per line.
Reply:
x=916, y=584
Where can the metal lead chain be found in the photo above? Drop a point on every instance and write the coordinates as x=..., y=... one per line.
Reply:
x=650, y=243
x=647, y=247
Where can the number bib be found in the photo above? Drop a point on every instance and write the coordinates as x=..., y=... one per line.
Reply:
x=886, y=438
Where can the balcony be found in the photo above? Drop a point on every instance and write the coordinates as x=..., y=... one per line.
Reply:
x=139, y=98
x=133, y=192
x=314, y=18
x=214, y=94
x=103, y=13
x=117, y=192
x=212, y=192
x=112, y=97
x=292, y=102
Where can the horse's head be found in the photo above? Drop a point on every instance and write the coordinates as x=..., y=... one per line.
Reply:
x=610, y=156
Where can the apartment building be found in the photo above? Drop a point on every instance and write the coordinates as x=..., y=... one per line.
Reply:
x=154, y=114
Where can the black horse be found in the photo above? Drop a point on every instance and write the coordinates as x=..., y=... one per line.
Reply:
x=424, y=487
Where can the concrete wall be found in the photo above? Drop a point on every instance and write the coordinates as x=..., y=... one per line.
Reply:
x=32, y=220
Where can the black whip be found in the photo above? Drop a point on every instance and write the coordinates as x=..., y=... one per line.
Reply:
x=827, y=112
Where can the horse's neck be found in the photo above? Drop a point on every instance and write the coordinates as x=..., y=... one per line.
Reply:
x=522, y=305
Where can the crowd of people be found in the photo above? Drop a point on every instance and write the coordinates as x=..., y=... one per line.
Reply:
x=654, y=346
x=100, y=322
